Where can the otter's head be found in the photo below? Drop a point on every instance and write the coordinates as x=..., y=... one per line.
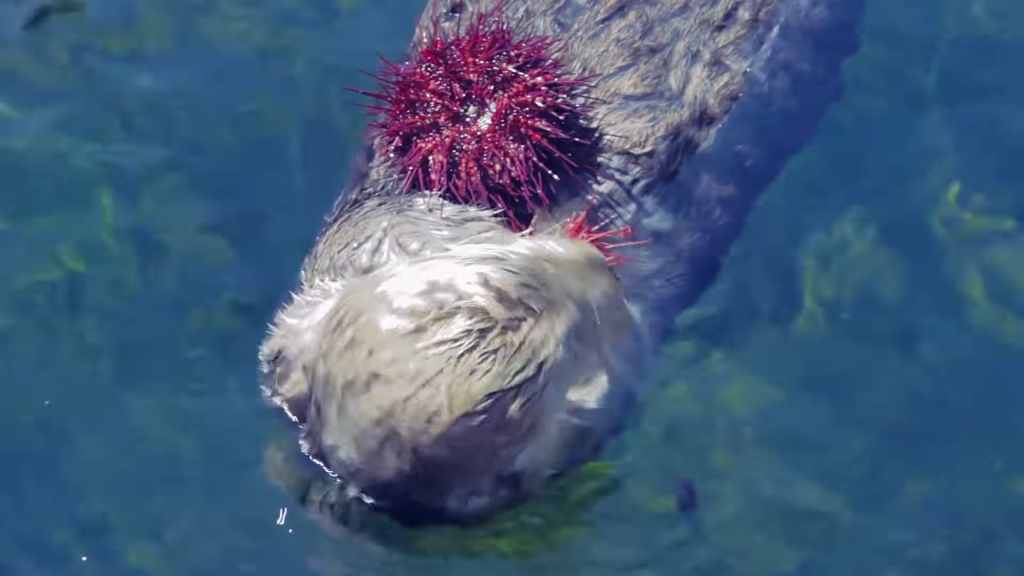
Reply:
x=446, y=371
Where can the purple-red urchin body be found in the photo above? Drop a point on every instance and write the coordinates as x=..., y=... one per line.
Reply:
x=487, y=117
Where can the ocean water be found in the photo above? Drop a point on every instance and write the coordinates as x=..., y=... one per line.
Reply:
x=846, y=398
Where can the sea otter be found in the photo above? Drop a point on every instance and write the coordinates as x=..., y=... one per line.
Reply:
x=441, y=363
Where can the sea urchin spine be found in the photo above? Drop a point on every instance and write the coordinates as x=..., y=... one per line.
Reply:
x=488, y=117
x=579, y=228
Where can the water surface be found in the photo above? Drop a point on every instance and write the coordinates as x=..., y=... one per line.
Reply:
x=846, y=398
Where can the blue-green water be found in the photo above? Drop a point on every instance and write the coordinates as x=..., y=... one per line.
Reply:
x=846, y=398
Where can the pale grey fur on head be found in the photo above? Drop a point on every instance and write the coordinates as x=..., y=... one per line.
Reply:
x=431, y=325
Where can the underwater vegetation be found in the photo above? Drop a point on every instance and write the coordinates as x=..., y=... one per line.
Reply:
x=845, y=393
x=139, y=249
x=860, y=393
x=540, y=527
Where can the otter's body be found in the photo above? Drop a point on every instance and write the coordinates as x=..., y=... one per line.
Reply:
x=443, y=366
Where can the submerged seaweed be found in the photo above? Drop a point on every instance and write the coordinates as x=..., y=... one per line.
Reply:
x=847, y=392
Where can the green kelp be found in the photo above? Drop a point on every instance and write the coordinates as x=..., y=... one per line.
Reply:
x=73, y=268
x=538, y=528
x=985, y=256
x=961, y=219
x=847, y=269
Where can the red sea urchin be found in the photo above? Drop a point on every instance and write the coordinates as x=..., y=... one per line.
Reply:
x=488, y=117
